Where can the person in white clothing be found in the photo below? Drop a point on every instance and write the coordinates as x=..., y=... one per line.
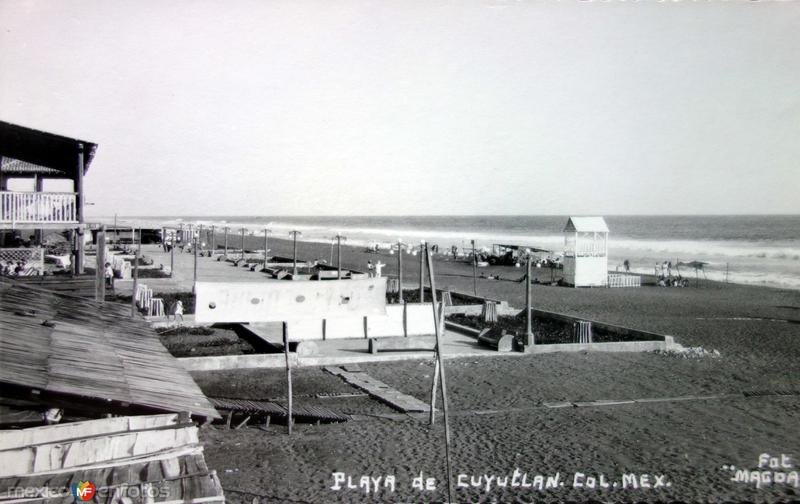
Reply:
x=178, y=310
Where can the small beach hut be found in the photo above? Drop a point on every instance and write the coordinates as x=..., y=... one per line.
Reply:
x=586, y=252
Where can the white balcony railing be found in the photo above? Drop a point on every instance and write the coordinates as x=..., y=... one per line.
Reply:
x=38, y=207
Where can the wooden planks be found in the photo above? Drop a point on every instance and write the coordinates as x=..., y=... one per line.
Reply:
x=157, y=460
x=76, y=430
x=58, y=456
x=381, y=391
x=76, y=347
x=264, y=408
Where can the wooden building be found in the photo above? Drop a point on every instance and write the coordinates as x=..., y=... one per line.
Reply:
x=586, y=252
x=27, y=153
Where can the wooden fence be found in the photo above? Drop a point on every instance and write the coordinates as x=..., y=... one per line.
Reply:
x=615, y=280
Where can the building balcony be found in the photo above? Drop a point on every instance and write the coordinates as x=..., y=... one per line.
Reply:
x=37, y=208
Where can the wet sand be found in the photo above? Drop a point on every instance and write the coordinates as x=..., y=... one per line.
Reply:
x=718, y=416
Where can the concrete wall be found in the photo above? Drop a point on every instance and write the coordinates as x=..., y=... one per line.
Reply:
x=343, y=328
x=232, y=302
x=418, y=320
x=389, y=325
x=305, y=330
x=219, y=362
x=623, y=346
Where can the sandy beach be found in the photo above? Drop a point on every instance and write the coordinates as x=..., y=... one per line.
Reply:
x=683, y=421
x=645, y=152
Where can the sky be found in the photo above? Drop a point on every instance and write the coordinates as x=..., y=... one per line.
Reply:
x=415, y=107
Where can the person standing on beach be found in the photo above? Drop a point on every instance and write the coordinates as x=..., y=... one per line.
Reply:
x=178, y=309
x=370, y=269
x=109, y=274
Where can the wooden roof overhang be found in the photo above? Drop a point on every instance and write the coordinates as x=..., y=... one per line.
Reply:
x=26, y=151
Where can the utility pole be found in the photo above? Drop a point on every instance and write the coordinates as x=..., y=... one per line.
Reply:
x=226, y=242
x=243, y=230
x=423, y=250
x=194, y=249
x=474, y=270
x=213, y=240
x=200, y=235
x=400, y=270
x=294, y=252
x=528, y=295
x=172, y=256
x=267, y=231
x=100, y=268
x=135, y=282
x=339, y=239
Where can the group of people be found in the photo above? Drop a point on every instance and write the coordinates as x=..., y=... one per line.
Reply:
x=665, y=269
x=549, y=262
x=665, y=278
x=374, y=270
x=12, y=268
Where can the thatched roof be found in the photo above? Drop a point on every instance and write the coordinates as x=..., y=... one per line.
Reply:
x=88, y=354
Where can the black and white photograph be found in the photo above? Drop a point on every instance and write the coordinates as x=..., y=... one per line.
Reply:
x=416, y=251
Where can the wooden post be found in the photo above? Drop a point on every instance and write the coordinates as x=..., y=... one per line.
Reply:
x=423, y=248
x=172, y=257
x=135, y=282
x=436, y=369
x=528, y=322
x=226, y=242
x=399, y=272
x=194, y=249
x=200, y=236
x=339, y=239
x=38, y=186
x=243, y=230
x=267, y=231
x=288, y=375
x=79, y=210
x=294, y=253
x=474, y=270
x=213, y=240
x=434, y=385
x=439, y=336
x=100, y=273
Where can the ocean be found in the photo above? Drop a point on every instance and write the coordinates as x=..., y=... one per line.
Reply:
x=748, y=249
